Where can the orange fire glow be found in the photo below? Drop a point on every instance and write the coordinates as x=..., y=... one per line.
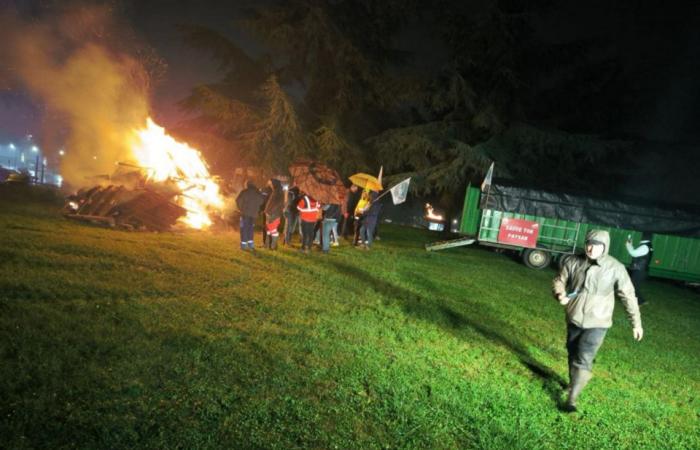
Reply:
x=168, y=159
x=430, y=214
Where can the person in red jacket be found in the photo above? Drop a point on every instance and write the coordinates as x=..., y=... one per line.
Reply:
x=308, y=209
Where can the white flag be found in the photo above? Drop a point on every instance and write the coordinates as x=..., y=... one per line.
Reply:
x=487, y=180
x=400, y=191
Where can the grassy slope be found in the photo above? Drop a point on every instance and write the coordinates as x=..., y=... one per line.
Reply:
x=179, y=340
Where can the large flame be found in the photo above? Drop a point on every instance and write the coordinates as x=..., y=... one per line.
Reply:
x=168, y=159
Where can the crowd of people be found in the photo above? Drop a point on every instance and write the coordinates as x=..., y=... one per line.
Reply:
x=287, y=210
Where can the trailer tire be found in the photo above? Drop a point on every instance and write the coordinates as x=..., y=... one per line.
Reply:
x=535, y=258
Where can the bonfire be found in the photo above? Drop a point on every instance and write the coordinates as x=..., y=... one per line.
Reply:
x=167, y=182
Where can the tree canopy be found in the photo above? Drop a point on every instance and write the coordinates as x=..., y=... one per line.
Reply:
x=436, y=90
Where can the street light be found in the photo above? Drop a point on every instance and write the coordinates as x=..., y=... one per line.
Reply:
x=34, y=148
x=61, y=152
x=12, y=146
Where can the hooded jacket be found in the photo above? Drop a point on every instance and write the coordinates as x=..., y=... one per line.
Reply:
x=275, y=202
x=593, y=285
x=249, y=201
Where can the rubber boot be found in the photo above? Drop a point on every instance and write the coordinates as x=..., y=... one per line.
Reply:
x=579, y=380
x=273, y=242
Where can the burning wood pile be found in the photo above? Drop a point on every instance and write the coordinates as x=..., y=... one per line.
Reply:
x=119, y=206
x=169, y=184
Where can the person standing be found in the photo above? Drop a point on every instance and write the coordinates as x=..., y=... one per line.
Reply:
x=266, y=191
x=308, y=209
x=361, y=208
x=586, y=286
x=291, y=215
x=273, y=212
x=353, y=196
x=641, y=256
x=331, y=213
x=248, y=201
x=369, y=220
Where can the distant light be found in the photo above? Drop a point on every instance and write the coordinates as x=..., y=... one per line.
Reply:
x=21, y=158
x=454, y=221
x=59, y=180
x=34, y=148
x=44, y=162
x=95, y=158
x=12, y=146
x=61, y=152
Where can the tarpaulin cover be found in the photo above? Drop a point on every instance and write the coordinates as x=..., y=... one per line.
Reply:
x=627, y=214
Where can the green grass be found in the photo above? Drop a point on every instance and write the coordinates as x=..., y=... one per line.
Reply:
x=112, y=339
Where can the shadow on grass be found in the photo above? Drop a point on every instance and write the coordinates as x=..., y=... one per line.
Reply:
x=486, y=324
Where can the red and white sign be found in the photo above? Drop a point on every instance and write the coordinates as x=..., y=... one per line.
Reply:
x=520, y=232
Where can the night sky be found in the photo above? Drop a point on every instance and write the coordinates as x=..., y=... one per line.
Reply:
x=659, y=43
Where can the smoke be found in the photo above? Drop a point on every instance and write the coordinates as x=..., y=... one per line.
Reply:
x=90, y=89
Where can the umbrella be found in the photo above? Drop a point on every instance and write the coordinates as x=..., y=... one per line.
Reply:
x=366, y=181
x=319, y=181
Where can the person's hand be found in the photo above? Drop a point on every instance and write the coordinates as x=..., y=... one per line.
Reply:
x=563, y=299
x=638, y=333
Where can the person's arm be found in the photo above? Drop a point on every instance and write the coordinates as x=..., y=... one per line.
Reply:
x=625, y=291
x=559, y=285
x=642, y=250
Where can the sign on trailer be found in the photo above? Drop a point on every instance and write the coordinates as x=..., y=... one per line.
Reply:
x=519, y=232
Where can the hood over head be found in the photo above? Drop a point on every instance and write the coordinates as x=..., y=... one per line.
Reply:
x=599, y=237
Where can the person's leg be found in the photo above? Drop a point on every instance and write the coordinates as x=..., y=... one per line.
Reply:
x=587, y=346
x=356, y=224
x=247, y=225
x=242, y=231
x=307, y=233
x=326, y=235
x=370, y=226
x=286, y=235
x=637, y=277
x=273, y=233
x=336, y=238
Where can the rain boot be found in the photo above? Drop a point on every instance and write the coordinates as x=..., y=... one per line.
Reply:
x=579, y=380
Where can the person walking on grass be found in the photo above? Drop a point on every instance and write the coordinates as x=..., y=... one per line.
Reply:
x=273, y=212
x=586, y=286
x=248, y=201
x=308, y=209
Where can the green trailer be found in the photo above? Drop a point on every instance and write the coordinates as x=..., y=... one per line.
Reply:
x=674, y=257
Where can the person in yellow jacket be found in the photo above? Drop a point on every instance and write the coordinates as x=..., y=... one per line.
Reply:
x=358, y=215
x=586, y=286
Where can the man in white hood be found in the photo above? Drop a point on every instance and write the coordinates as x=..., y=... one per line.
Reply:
x=586, y=286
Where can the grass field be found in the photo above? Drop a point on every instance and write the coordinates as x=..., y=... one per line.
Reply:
x=112, y=339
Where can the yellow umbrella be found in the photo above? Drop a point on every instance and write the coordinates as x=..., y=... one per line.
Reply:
x=366, y=181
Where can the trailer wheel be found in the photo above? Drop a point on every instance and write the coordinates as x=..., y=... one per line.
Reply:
x=536, y=259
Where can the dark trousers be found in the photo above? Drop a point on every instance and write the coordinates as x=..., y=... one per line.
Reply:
x=357, y=225
x=638, y=277
x=307, y=234
x=327, y=227
x=582, y=345
x=367, y=230
x=290, y=223
x=247, y=225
